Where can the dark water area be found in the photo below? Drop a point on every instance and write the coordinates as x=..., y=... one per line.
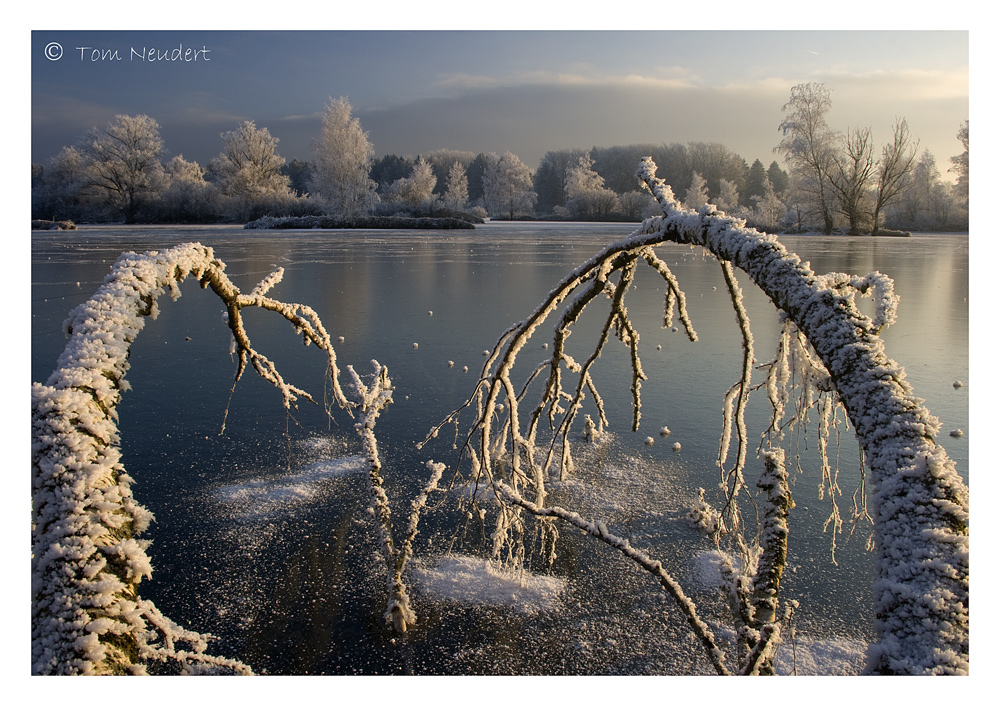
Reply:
x=262, y=534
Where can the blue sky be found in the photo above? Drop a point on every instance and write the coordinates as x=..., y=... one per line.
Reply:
x=528, y=91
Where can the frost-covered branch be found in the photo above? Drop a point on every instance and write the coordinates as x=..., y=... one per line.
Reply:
x=498, y=446
x=831, y=352
x=920, y=504
x=369, y=401
x=87, y=562
x=740, y=392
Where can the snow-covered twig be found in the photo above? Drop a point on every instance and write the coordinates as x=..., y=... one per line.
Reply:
x=369, y=401
x=600, y=531
x=740, y=391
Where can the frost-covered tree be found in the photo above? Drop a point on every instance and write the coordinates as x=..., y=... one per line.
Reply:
x=925, y=202
x=343, y=156
x=442, y=161
x=635, y=205
x=88, y=558
x=248, y=171
x=586, y=197
x=123, y=162
x=808, y=145
x=729, y=196
x=60, y=190
x=456, y=195
x=697, y=193
x=581, y=177
x=768, y=210
x=507, y=186
x=417, y=189
x=517, y=444
x=187, y=197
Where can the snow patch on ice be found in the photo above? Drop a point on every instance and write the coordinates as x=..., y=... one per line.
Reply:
x=474, y=581
x=267, y=495
x=705, y=569
x=828, y=657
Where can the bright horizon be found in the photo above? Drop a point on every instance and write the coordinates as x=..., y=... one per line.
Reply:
x=524, y=91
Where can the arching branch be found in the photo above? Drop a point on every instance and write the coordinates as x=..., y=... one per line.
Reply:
x=920, y=502
x=87, y=564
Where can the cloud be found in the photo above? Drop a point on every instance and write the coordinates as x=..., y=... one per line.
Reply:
x=531, y=119
x=908, y=85
x=663, y=77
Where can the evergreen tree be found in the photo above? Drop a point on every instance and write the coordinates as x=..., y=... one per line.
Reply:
x=389, y=169
x=755, y=182
x=778, y=178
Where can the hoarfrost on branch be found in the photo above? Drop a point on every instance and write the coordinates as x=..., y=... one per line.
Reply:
x=919, y=504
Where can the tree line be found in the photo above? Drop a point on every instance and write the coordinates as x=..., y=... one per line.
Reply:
x=833, y=180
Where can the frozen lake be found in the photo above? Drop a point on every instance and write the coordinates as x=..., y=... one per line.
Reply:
x=262, y=535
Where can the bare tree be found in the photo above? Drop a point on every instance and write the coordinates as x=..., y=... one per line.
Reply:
x=808, y=144
x=893, y=168
x=960, y=165
x=851, y=176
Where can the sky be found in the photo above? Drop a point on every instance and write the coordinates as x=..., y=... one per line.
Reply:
x=526, y=90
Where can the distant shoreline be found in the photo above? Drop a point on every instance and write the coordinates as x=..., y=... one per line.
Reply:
x=363, y=222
